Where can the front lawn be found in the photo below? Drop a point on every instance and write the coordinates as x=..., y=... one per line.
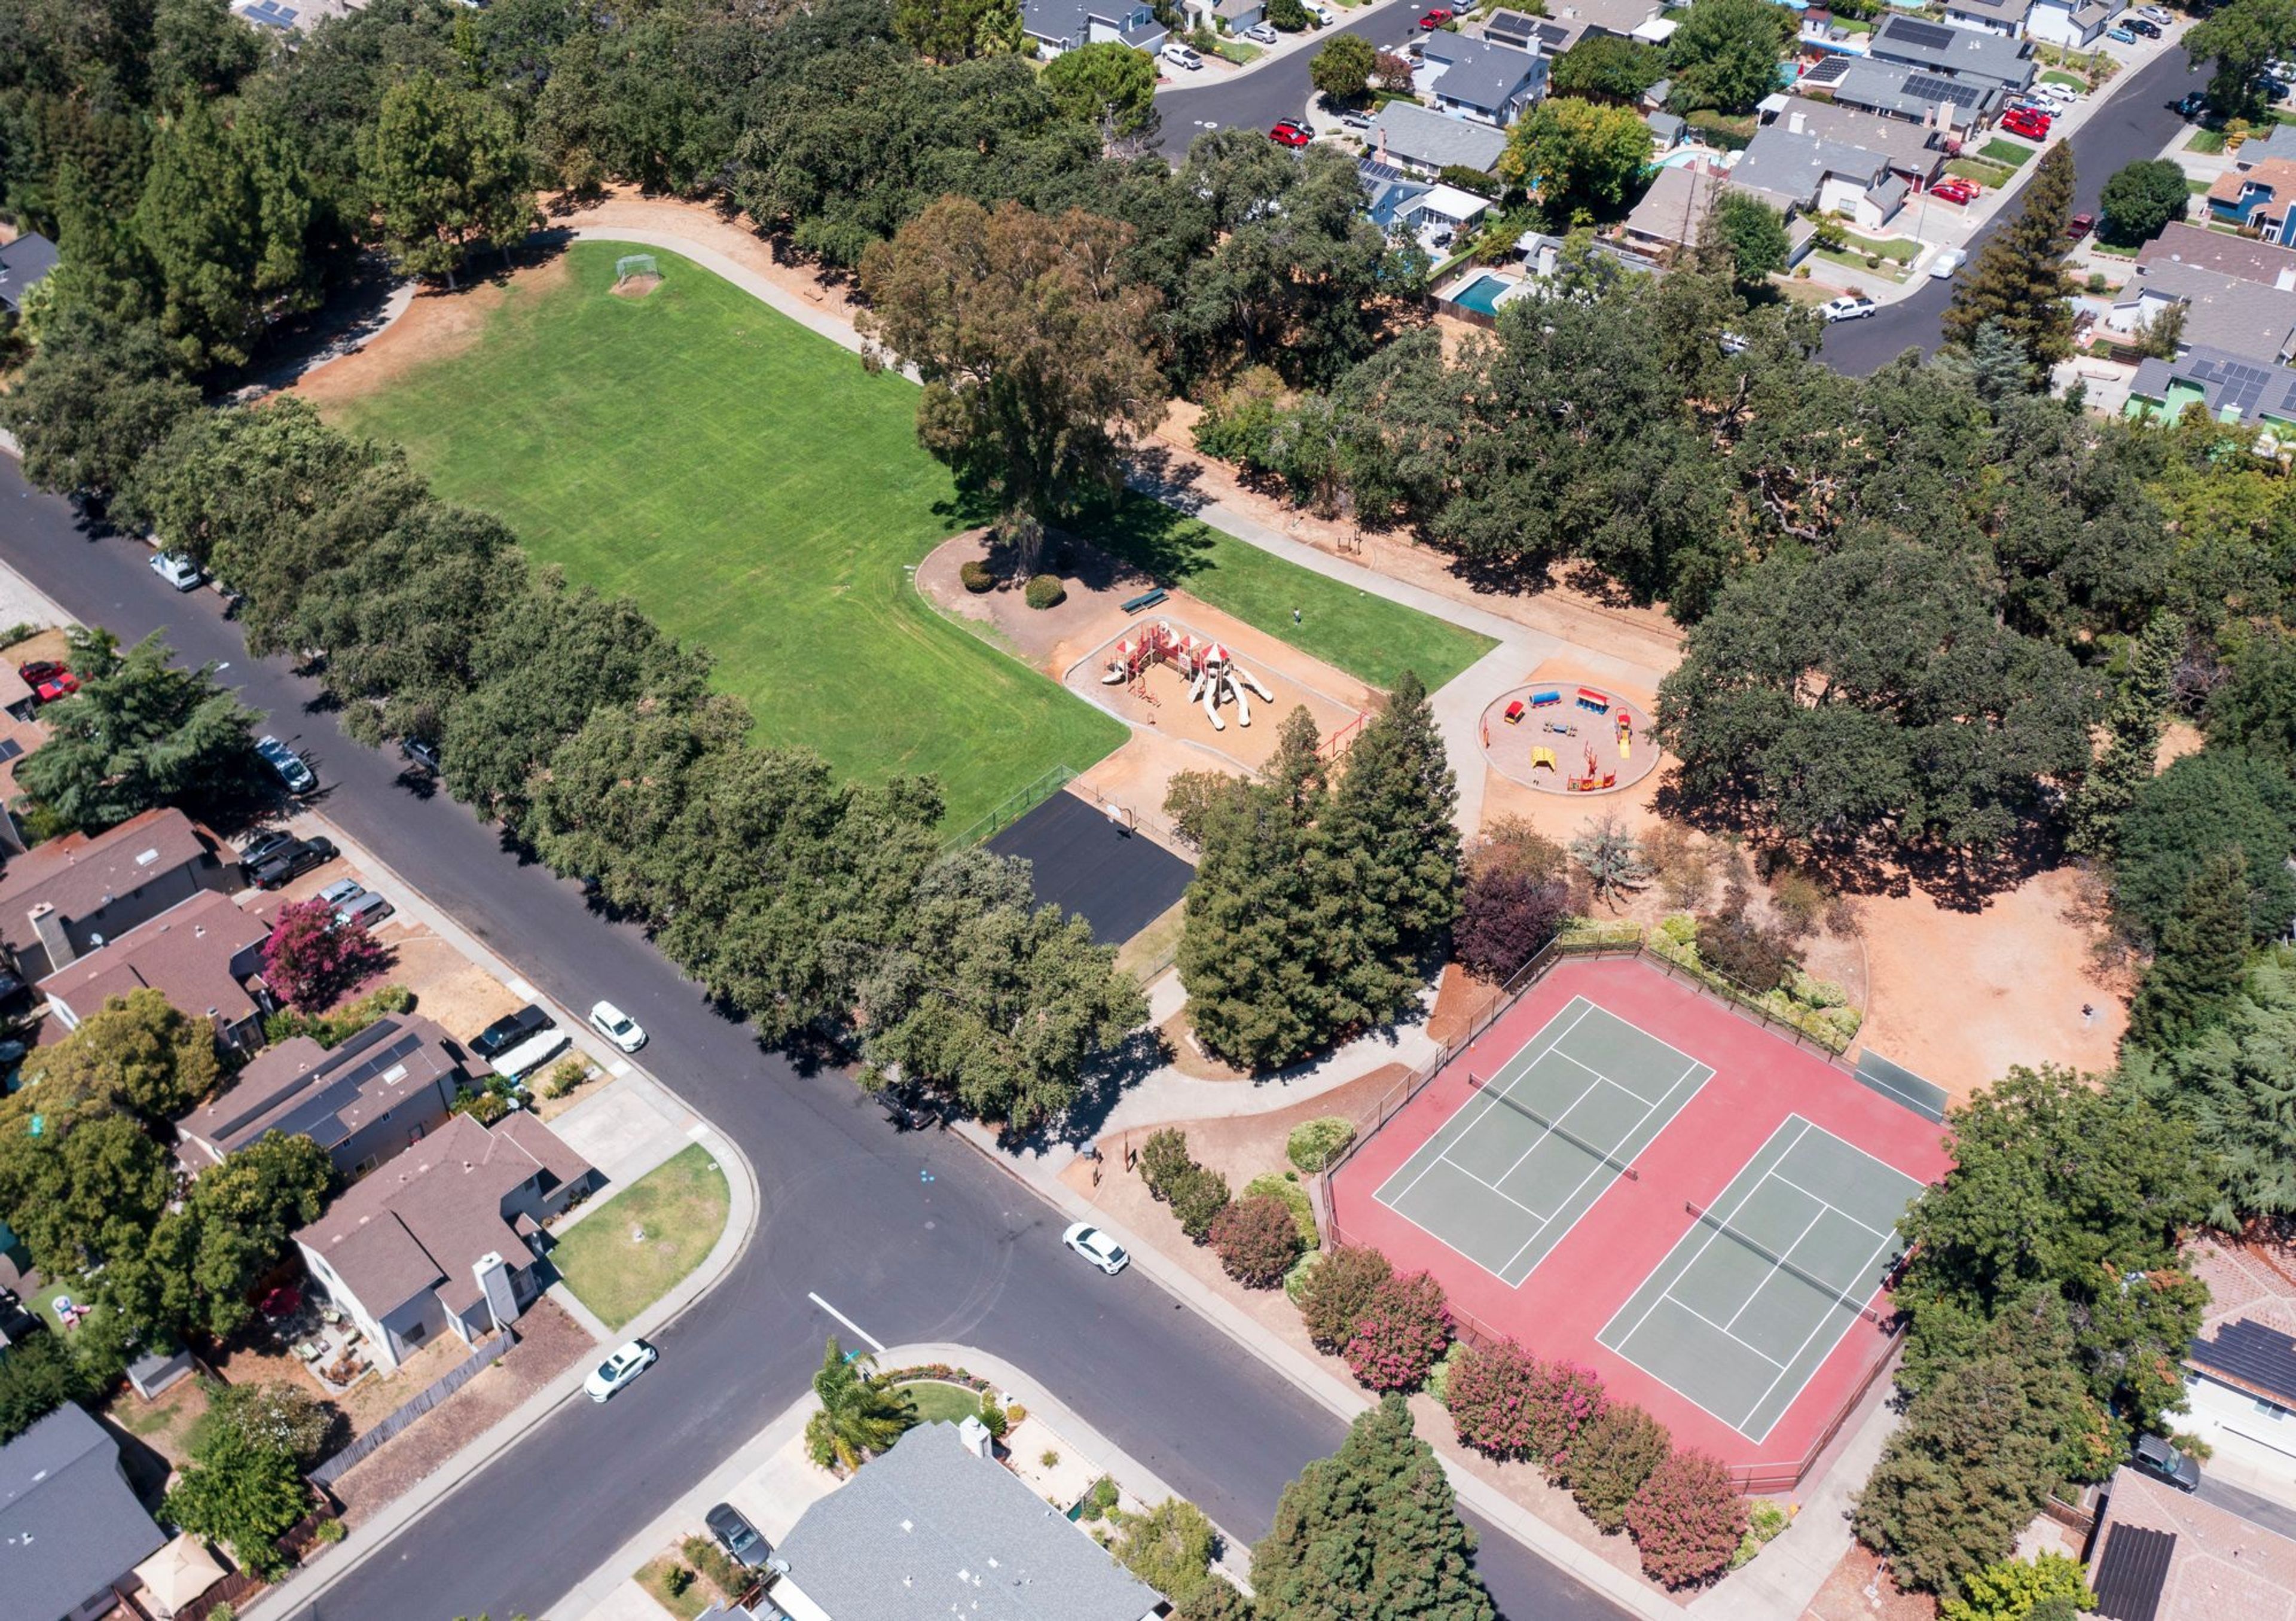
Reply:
x=654, y=1578
x=2055, y=76
x=1983, y=174
x=626, y=1255
x=2208, y=143
x=1237, y=51
x=757, y=493
x=1899, y=247
x=2008, y=153
x=935, y=1400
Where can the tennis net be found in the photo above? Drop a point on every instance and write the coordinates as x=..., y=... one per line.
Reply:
x=1481, y=1082
x=1862, y=1307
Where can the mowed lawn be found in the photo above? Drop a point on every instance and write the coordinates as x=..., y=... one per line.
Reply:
x=631, y=1252
x=759, y=494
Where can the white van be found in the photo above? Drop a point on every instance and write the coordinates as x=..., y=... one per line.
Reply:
x=1181, y=56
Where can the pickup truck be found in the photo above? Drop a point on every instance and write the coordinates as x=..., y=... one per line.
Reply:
x=530, y=1054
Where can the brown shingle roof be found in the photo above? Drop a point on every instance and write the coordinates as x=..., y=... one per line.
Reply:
x=184, y=953
x=2224, y=1568
x=2275, y=174
x=299, y=1086
x=2243, y=257
x=82, y=872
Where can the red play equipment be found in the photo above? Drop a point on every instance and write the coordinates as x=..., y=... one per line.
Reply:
x=1211, y=671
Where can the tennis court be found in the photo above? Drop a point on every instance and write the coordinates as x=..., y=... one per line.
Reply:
x=1543, y=1139
x=1764, y=1283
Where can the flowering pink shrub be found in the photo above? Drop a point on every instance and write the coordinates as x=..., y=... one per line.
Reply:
x=1564, y=1399
x=310, y=962
x=1403, y=1329
x=1488, y=1394
x=1687, y=1521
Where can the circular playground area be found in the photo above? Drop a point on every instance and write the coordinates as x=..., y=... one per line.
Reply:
x=1562, y=738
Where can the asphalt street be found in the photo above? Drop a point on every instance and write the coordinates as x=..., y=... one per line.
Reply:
x=913, y=1237
x=2135, y=123
x=1213, y=98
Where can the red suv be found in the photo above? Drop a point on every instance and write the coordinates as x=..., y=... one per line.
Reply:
x=1956, y=190
x=1435, y=18
x=1290, y=132
x=48, y=680
x=2023, y=122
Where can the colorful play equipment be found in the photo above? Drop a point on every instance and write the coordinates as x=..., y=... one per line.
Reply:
x=1210, y=670
x=1589, y=699
x=1515, y=713
x=1580, y=740
x=1543, y=759
x=1546, y=698
x=1594, y=778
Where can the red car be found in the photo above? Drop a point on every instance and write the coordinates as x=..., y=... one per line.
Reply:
x=2032, y=126
x=1290, y=132
x=1956, y=190
x=2081, y=225
x=1435, y=18
x=48, y=680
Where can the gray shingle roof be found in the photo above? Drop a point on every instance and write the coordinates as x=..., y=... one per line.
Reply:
x=1965, y=52
x=1488, y=76
x=1779, y=162
x=23, y=262
x=930, y=1530
x=69, y=1525
x=1417, y=135
x=2243, y=257
x=1906, y=146
x=1908, y=92
x=2245, y=318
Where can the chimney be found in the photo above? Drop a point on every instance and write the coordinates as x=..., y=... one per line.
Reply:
x=55, y=939
x=494, y=1282
x=1795, y=121
x=973, y=1435
x=1383, y=144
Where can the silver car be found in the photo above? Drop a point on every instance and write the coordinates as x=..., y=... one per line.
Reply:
x=366, y=907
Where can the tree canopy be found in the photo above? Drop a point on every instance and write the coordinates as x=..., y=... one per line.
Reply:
x=2017, y=282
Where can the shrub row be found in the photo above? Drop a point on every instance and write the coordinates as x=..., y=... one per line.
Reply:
x=1259, y=1238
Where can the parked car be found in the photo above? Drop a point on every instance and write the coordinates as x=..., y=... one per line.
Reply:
x=618, y=1027
x=286, y=765
x=1948, y=262
x=2160, y=14
x=2058, y=95
x=1290, y=132
x=264, y=845
x=2031, y=126
x=2119, y=36
x=48, y=680
x=2142, y=27
x=1956, y=190
x=1357, y=120
x=741, y=1541
x=2153, y=1456
x=619, y=1370
x=366, y=907
x=1096, y=1246
x=1180, y=56
x=291, y=861
x=343, y=891
x=2193, y=104
x=177, y=570
x=508, y=1031
x=423, y=751
x=1850, y=306
x=1261, y=34
x=2080, y=224
x=1435, y=18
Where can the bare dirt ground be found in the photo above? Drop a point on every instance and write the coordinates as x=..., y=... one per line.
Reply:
x=1860, y=1589
x=48, y=644
x=437, y=325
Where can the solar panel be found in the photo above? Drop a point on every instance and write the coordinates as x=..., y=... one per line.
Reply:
x=10, y=749
x=1928, y=35
x=2251, y=1352
x=1827, y=71
x=1929, y=87
x=2133, y=1571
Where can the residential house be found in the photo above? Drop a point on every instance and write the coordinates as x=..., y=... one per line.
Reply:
x=69, y=1526
x=1667, y=130
x=2242, y=258
x=1476, y=78
x=1626, y=19
x=1954, y=53
x=2256, y=199
x=1809, y=174
x=22, y=264
x=1550, y=37
x=2240, y=1375
x=2005, y=18
x=2255, y=322
x=1237, y=14
x=22, y=731
x=1951, y=107
x=381, y=1091
x=2226, y=388
x=1062, y=25
x=446, y=1235
x=199, y=955
x=1673, y=211
x=936, y=1526
x=1412, y=138
x=2272, y=141
x=2074, y=24
x=2160, y=1554
x=1912, y=151
x=65, y=897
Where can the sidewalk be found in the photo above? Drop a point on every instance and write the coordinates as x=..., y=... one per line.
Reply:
x=1288, y=46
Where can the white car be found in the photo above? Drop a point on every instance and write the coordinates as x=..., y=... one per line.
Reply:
x=618, y=1027
x=619, y=1370
x=343, y=891
x=1948, y=262
x=177, y=570
x=1180, y=56
x=2160, y=14
x=1096, y=1246
x=365, y=907
x=1261, y=33
x=1850, y=306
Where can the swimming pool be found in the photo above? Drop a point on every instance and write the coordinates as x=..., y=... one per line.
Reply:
x=1484, y=293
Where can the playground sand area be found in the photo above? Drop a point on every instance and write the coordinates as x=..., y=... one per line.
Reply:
x=1160, y=697
x=1562, y=737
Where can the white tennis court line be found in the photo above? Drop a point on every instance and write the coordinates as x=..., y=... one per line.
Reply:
x=1490, y=1103
x=1815, y=1329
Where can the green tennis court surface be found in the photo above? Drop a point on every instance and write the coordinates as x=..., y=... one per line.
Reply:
x=1546, y=1136
x=1764, y=1284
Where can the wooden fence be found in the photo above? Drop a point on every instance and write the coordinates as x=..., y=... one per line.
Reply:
x=453, y=1379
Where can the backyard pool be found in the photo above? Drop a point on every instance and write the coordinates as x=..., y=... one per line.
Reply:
x=1484, y=293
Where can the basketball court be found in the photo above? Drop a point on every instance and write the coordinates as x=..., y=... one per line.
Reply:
x=1508, y=1176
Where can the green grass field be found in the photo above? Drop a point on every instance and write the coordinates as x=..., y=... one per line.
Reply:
x=758, y=493
x=680, y=1205
x=2006, y=153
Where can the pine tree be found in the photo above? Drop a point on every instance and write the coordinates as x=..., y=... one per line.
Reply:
x=2019, y=278
x=1998, y=368
x=1394, y=837
x=2134, y=724
x=2204, y=951
x=1370, y=1534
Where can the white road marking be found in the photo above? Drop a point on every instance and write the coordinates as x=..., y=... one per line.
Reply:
x=876, y=1344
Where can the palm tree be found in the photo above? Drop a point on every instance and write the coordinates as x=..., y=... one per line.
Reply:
x=860, y=1415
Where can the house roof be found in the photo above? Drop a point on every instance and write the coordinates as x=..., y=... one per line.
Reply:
x=18, y=739
x=2248, y=320
x=2198, y=1563
x=1965, y=53
x=1620, y=17
x=2276, y=175
x=1452, y=204
x=2243, y=258
x=1787, y=165
x=2266, y=143
x=931, y=1528
x=1908, y=147
x=1674, y=207
x=1070, y=21
x=84, y=873
x=2010, y=13
x=1666, y=127
x=184, y=953
x=2253, y=1356
x=69, y=1525
x=1908, y=92
x=426, y=1216
x=1418, y=135
x=23, y=263
x=1512, y=28
x=326, y=1094
x=1487, y=75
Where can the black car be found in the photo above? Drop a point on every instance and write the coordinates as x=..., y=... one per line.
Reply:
x=739, y=1538
x=263, y=845
x=2137, y=25
x=2193, y=105
x=2156, y=1457
x=291, y=860
x=511, y=1028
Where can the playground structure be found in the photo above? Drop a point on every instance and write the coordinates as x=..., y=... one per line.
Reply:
x=1209, y=670
x=1529, y=732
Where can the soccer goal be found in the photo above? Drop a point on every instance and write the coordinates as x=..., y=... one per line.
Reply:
x=636, y=268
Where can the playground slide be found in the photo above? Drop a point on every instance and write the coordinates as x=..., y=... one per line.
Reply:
x=1242, y=704
x=1251, y=681
x=1212, y=708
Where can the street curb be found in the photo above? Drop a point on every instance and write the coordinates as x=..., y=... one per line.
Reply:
x=741, y=1215
x=1270, y=58
x=1347, y=1401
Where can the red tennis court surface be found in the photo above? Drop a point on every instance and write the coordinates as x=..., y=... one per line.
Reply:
x=1762, y=1085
